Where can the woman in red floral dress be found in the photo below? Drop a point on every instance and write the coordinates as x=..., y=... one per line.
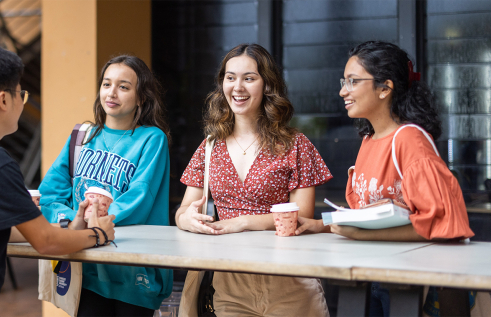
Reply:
x=257, y=161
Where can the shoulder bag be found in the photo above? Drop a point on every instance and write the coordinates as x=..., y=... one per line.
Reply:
x=197, y=294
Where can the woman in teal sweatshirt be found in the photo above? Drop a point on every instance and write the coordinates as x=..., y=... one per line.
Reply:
x=127, y=154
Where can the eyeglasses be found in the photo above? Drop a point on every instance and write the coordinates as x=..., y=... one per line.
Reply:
x=349, y=82
x=24, y=94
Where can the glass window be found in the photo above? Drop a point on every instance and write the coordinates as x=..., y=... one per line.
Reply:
x=459, y=72
x=317, y=36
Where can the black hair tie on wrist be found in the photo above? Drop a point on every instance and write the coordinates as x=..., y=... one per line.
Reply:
x=107, y=241
x=98, y=242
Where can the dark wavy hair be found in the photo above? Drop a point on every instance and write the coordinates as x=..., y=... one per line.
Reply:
x=412, y=102
x=150, y=112
x=276, y=110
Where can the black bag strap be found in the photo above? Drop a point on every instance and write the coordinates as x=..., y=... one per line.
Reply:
x=205, y=296
x=73, y=141
x=78, y=136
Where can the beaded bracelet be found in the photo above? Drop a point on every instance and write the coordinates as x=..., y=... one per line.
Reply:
x=107, y=241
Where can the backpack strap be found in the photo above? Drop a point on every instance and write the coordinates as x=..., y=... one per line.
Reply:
x=79, y=135
x=394, y=158
x=351, y=170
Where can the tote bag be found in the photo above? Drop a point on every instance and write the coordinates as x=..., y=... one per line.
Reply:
x=62, y=289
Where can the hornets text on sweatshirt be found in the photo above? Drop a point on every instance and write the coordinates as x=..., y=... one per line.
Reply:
x=134, y=168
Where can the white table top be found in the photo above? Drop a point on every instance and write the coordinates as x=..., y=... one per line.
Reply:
x=319, y=255
x=451, y=265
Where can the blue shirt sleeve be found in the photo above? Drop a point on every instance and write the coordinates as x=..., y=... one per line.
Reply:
x=56, y=189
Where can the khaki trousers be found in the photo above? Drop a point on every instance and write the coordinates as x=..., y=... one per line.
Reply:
x=238, y=294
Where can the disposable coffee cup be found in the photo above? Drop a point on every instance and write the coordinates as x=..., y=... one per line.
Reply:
x=105, y=200
x=35, y=196
x=285, y=218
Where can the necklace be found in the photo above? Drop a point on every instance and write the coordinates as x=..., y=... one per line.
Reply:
x=241, y=146
x=104, y=139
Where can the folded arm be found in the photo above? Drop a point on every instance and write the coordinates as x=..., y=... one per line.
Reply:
x=304, y=197
x=403, y=233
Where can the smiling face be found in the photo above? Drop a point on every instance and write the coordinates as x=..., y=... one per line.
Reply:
x=364, y=101
x=243, y=86
x=118, y=96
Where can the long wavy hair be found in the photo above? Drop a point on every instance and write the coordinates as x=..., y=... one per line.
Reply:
x=275, y=111
x=151, y=110
x=412, y=102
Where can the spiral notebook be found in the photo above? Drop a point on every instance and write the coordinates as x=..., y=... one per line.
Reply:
x=380, y=215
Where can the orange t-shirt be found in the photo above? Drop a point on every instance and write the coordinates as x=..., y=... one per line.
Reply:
x=427, y=187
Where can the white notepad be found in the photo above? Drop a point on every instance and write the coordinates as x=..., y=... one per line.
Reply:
x=377, y=217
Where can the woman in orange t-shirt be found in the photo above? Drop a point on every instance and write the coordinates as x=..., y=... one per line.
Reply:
x=397, y=118
x=394, y=109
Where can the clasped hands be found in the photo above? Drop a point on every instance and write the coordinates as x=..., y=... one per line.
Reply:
x=105, y=223
x=194, y=221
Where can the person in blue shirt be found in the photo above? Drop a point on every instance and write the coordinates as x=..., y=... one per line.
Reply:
x=126, y=153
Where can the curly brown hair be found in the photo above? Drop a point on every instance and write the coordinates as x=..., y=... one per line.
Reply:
x=151, y=112
x=276, y=110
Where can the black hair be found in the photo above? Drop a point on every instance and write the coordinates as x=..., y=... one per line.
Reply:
x=412, y=101
x=11, y=69
x=150, y=111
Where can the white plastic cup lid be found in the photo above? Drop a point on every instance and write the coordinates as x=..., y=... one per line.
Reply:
x=98, y=190
x=34, y=193
x=286, y=207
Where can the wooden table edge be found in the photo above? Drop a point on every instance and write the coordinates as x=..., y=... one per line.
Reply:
x=186, y=262
x=413, y=277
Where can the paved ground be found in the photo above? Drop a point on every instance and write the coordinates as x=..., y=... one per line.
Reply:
x=22, y=302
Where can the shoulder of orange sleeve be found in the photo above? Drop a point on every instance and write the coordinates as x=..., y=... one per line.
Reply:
x=412, y=145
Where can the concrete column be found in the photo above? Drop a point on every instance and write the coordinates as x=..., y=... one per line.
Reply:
x=78, y=38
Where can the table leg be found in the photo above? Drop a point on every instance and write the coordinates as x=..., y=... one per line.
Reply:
x=354, y=299
x=454, y=302
x=405, y=300
x=10, y=270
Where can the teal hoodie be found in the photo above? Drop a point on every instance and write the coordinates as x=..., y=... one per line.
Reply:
x=134, y=168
